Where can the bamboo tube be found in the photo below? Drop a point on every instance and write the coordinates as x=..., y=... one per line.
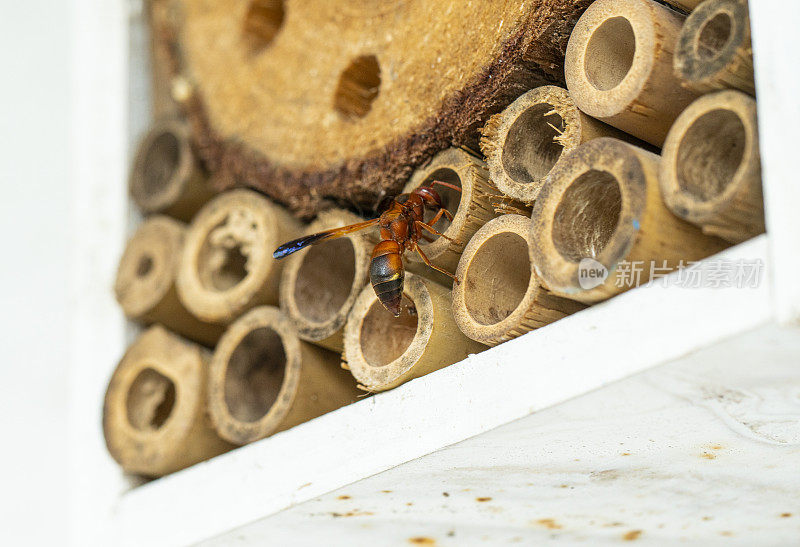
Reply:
x=166, y=177
x=155, y=419
x=714, y=50
x=523, y=142
x=383, y=352
x=599, y=207
x=227, y=267
x=619, y=67
x=686, y=5
x=500, y=297
x=263, y=379
x=145, y=282
x=320, y=284
x=710, y=173
x=471, y=208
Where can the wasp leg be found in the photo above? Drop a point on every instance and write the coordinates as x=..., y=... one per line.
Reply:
x=429, y=264
x=436, y=217
x=427, y=228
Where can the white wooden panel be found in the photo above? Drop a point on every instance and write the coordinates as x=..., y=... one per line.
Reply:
x=581, y=353
x=703, y=450
x=776, y=49
x=99, y=150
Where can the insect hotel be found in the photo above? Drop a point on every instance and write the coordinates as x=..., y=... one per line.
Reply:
x=454, y=273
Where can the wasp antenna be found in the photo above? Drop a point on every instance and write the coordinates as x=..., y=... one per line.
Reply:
x=445, y=184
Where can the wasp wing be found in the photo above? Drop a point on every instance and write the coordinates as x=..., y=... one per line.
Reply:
x=301, y=243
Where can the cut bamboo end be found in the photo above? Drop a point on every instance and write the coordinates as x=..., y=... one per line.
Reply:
x=320, y=284
x=226, y=267
x=145, y=282
x=155, y=420
x=263, y=379
x=710, y=173
x=523, y=142
x=714, y=50
x=500, y=297
x=599, y=207
x=166, y=177
x=471, y=208
x=383, y=352
x=618, y=67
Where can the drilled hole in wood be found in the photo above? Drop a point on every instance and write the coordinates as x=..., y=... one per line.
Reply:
x=385, y=337
x=161, y=160
x=358, y=87
x=710, y=154
x=451, y=199
x=262, y=23
x=532, y=148
x=255, y=374
x=144, y=266
x=150, y=400
x=497, y=278
x=325, y=279
x=610, y=53
x=587, y=216
x=714, y=36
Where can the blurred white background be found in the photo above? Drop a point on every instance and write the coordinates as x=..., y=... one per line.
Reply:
x=35, y=236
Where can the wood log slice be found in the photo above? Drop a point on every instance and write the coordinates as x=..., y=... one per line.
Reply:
x=322, y=101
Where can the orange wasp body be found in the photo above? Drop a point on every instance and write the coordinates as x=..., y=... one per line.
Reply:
x=402, y=225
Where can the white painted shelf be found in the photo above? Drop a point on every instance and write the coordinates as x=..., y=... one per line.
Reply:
x=702, y=450
x=631, y=333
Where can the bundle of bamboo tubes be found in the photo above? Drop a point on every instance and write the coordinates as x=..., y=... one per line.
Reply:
x=648, y=155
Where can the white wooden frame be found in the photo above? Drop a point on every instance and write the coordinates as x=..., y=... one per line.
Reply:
x=576, y=355
x=776, y=50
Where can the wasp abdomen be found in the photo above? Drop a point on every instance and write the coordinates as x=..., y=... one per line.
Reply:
x=386, y=274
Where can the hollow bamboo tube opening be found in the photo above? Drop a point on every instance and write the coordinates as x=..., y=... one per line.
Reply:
x=710, y=173
x=618, y=67
x=383, y=352
x=154, y=416
x=320, y=284
x=599, y=207
x=471, y=208
x=714, y=50
x=523, y=142
x=500, y=297
x=226, y=267
x=166, y=177
x=263, y=379
x=145, y=282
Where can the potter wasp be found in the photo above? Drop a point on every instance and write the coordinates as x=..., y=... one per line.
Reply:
x=401, y=225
